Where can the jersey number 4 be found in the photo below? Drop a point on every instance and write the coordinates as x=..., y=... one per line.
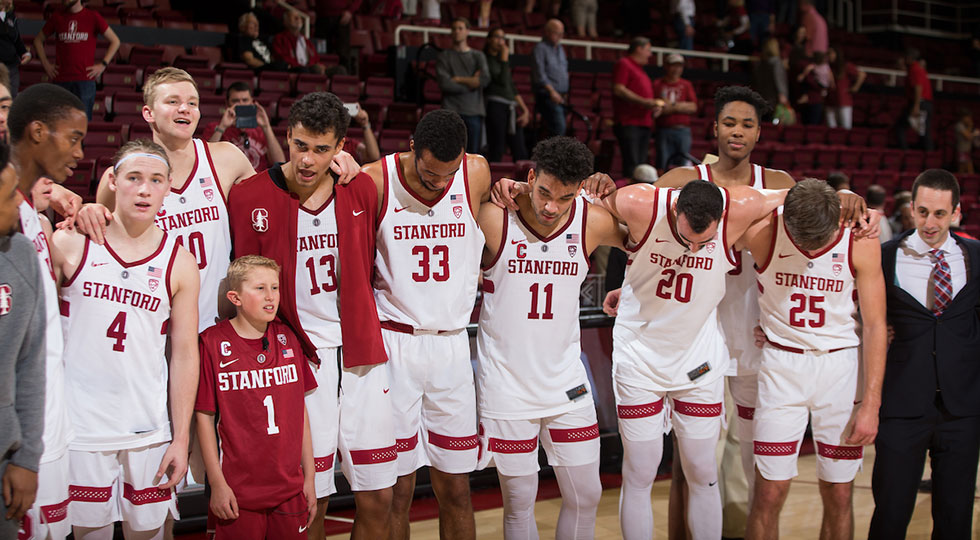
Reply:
x=802, y=302
x=439, y=257
x=117, y=331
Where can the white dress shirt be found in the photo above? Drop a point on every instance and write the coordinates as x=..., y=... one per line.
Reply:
x=914, y=267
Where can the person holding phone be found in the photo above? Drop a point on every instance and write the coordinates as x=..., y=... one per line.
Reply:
x=246, y=125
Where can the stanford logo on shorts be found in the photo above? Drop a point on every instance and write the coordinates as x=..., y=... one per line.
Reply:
x=457, y=211
x=260, y=220
x=6, y=298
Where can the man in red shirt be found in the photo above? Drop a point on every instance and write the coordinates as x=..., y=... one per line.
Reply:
x=75, y=29
x=679, y=104
x=633, y=105
x=292, y=47
x=918, y=110
x=259, y=144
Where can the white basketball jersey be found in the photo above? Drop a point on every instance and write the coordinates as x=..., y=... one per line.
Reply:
x=808, y=301
x=668, y=310
x=528, y=341
x=428, y=259
x=738, y=311
x=317, y=275
x=57, y=426
x=118, y=314
x=197, y=217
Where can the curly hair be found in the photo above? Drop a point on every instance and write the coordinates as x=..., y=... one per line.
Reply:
x=565, y=158
x=701, y=204
x=441, y=132
x=320, y=112
x=44, y=102
x=728, y=94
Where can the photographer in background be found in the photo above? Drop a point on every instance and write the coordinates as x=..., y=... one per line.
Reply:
x=252, y=133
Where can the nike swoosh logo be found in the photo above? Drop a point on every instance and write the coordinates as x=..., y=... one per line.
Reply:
x=99, y=264
x=517, y=241
x=358, y=213
x=400, y=209
x=223, y=365
x=783, y=256
x=386, y=390
x=657, y=240
x=712, y=484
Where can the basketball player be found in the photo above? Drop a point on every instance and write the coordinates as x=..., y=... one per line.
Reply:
x=809, y=270
x=122, y=300
x=48, y=124
x=259, y=404
x=429, y=247
x=315, y=229
x=534, y=263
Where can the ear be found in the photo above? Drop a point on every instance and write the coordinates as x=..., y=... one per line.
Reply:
x=112, y=179
x=37, y=131
x=411, y=144
x=234, y=297
x=531, y=177
x=714, y=126
x=147, y=114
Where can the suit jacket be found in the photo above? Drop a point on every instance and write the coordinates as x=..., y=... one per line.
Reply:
x=932, y=353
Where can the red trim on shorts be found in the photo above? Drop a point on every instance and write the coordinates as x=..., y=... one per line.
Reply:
x=374, y=455
x=700, y=410
x=404, y=328
x=454, y=443
x=323, y=464
x=145, y=496
x=801, y=351
x=762, y=448
x=839, y=452
x=407, y=445
x=488, y=286
x=89, y=493
x=575, y=434
x=640, y=411
x=53, y=513
x=511, y=446
x=746, y=413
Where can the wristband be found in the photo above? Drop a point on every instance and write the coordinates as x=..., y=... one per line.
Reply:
x=104, y=63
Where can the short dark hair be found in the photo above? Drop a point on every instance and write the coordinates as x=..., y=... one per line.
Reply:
x=464, y=20
x=812, y=213
x=565, y=158
x=47, y=103
x=441, y=132
x=320, y=112
x=701, y=203
x=913, y=54
x=875, y=196
x=636, y=43
x=728, y=94
x=837, y=179
x=238, y=86
x=940, y=179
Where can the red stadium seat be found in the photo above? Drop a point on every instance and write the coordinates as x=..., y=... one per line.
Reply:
x=794, y=134
x=274, y=83
x=837, y=136
x=870, y=160
x=401, y=116
x=891, y=160
x=121, y=77
x=232, y=76
x=309, y=82
x=206, y=79
x=346, y=87
x=380, y=89
x=146, y=56
x=394, y=140
x=815, y=135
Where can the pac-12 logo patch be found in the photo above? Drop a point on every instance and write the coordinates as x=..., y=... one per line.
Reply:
x=837, y=269
x=260, y=219
x=572, y=250
x=457, y=211
x=209, y=193
x=710, y=247
x=6, y=299
x=281, y=338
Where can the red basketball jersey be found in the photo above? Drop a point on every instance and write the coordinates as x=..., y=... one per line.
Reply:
x=257, y=390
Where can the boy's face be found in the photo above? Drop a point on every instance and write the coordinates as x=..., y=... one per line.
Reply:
x=258, y=298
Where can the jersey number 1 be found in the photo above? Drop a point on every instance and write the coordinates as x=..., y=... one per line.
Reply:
x=270, y=409
x=546, y=314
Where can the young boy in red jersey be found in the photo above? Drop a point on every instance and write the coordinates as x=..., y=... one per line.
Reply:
x=254, y=378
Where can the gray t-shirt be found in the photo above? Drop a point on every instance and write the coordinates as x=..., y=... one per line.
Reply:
x=457, y=96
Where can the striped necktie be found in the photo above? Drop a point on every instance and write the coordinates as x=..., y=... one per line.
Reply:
x=942, y=293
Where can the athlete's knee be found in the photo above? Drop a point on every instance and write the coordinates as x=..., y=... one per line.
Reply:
x=376, y=504
x=700, y=465
x=640, y=461
x=452, y=490
x=769, y=494
x=402, y=494
x=837, y=497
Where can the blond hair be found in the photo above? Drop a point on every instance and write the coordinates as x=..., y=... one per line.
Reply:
x=140, y=146
x=240, y=268
x=164, y=76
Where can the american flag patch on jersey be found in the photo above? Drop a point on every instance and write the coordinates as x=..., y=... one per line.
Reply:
x=837, y=257
x=571, y=237
x=206, y=181
x=455, y=198
x=153, y=271
x=287, y=353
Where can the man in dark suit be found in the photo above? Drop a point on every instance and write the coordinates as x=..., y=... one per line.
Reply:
x=931, y=393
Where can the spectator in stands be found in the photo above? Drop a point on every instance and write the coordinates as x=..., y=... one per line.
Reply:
x=333, y=23
x=6, y=100
x=735, y=28
x=769, y=75
x=683, y=13
x=762, y=19
x=295, y=49
x=839, y=181
x=680, y=103
x=875, y=198
x=634, y=106
x=583, y=17
x=75, y=29
x=254, y=49
x=847, y=81
x=548, y=7
x=816, y=80
x=463, y=74
x=13, y=52
x=549, y=78
x=365, y=149
x=483, y=19
x=918, y=108
x=507, y=115
x=816, y=28
x=259, y=144
x=902, y=219
x=967, y=138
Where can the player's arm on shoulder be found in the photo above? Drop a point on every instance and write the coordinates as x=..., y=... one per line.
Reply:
x=677, y=177
x=491, y=220
x=184, y=361
x=376, y=170
x=866, y=257
x=778, y=179
x=632, y=205
x=103, y=195
x=758, y=239
x=747, y=205
x=70, y=246
x=54, y=253
x=602, y=229
x=232, y=165
x=478, y=172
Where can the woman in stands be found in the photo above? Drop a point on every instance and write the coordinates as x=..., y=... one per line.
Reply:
x=847, y=81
